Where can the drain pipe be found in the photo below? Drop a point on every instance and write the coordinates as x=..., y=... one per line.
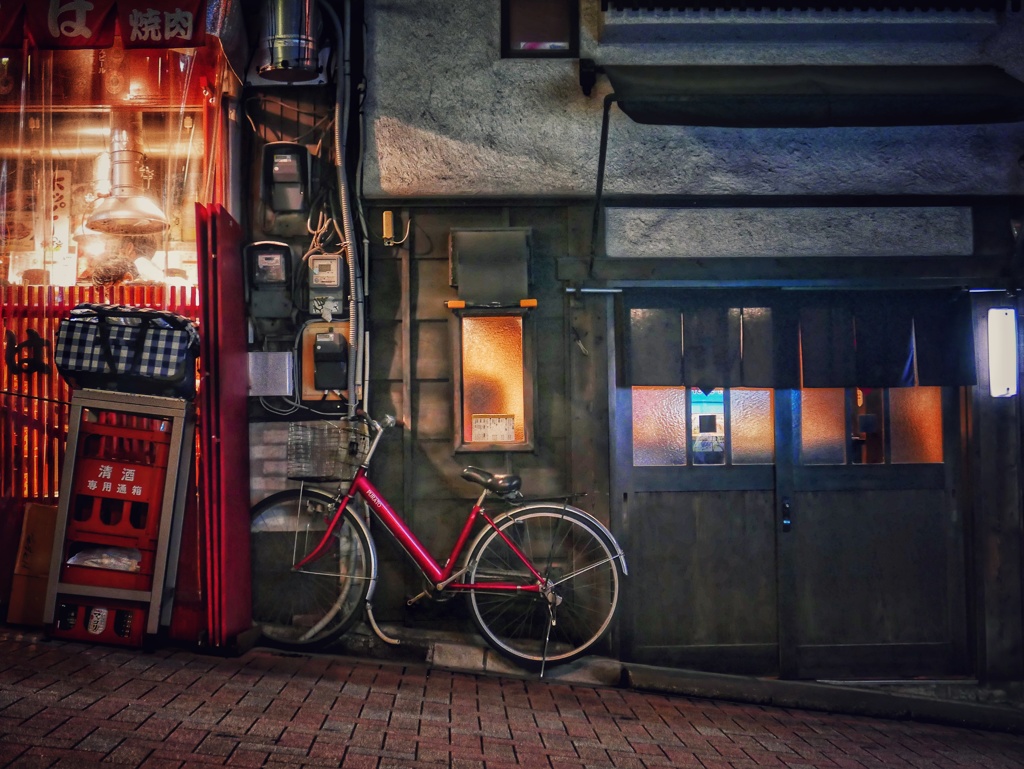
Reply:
x=348, y=231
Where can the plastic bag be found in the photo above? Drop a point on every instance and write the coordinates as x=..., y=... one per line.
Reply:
x=116, y=558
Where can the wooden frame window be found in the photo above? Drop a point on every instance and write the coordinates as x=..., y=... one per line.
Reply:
x=871, y=426
x=494, y=374
x=677, y=426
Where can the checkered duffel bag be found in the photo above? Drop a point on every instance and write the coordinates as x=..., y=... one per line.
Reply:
x=129, y=349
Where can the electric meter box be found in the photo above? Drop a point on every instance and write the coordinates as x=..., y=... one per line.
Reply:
x=328, y=281
x=286, y=177
x=324, y=365
x=330, y=361
x=268, y=266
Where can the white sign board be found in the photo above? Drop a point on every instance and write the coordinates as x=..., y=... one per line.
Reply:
x=494, y=428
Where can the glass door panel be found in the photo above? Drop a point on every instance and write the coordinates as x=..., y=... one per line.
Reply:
x=823, y=426
x=916, y=424
x=725, y=427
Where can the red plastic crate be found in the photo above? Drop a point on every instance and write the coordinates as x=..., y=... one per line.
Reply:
x=121, y=437
x=97, y=620
x=116, y=499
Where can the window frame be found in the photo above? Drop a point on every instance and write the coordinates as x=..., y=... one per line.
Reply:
x=850, y=423
x=509, y=52
x=727, y=416
x=460, y=445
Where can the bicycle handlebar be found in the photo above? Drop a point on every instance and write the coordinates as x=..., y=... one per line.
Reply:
x=386, y=422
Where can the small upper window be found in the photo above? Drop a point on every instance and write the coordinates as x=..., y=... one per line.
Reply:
x=495, y=366
x=540, y=28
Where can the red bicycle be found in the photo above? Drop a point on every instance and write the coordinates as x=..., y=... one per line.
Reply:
x=541, y=578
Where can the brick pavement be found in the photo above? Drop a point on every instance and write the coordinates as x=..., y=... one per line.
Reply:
x=74, y=705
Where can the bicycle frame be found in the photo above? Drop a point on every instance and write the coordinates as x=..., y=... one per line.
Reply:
x=441, y=577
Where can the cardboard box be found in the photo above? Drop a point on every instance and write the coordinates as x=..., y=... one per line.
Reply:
x=28, y=600
x=36, y=548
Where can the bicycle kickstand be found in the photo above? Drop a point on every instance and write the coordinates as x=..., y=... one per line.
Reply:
x=547, y=637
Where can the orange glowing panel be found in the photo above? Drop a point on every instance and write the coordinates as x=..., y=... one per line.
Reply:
x=492, y=374
x=823, y=426
x=916, y=424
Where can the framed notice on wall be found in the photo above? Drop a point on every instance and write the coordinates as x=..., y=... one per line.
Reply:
x=493, y=428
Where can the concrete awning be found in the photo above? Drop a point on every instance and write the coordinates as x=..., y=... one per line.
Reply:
x=816, y=96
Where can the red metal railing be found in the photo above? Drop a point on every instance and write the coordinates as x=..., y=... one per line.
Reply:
x=34, y=399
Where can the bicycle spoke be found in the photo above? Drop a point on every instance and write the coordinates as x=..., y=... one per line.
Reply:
x=584, y=570
x=576, y=565
x=311, y=606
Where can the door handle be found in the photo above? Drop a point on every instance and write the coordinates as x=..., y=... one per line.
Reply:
x=787, y=515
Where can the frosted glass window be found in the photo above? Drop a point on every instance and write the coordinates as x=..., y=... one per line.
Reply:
x=823, y=426
x=659, y=426
x=752, y=426
x=707, y=426
x=492, y=378
x=916, y=424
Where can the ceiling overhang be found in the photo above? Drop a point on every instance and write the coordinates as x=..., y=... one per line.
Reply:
x=816, y=96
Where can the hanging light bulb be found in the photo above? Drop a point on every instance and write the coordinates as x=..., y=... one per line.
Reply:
x=127, y=210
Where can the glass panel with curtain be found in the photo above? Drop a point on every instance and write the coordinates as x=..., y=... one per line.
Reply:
x=852, y=426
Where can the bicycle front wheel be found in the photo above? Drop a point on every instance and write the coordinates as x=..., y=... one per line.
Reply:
x=575, y=561
x=306, y=609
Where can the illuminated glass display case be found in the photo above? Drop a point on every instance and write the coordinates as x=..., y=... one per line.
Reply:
x=102, y=159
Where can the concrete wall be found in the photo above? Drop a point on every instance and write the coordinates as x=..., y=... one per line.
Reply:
x=447, y=116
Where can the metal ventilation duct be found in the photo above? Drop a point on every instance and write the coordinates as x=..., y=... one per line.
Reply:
x=289, y=41
x=128, y=210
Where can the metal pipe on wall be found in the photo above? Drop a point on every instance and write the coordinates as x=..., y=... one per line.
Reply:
x=351, y=253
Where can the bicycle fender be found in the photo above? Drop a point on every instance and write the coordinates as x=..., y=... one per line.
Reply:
x=354, y=516
x=599, y=527
x=362, y=524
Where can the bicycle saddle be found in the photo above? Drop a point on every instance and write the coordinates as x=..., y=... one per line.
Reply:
x=499, y=484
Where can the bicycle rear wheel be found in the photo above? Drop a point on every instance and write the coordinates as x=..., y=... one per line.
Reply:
x=309, y=608
x=573, y=557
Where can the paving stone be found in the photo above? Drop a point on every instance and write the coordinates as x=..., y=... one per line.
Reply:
x=65, y=703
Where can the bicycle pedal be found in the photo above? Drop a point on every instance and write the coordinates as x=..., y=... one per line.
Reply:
x=414, y=599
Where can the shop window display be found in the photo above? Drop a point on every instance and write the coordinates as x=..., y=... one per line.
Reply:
x=102, y=159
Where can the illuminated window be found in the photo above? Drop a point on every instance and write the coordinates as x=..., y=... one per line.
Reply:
x=494, y=403
x=687, y=426
x=109, y=143
x=871, y=426
x=540, y=29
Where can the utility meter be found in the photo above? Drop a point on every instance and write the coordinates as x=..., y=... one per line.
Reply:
x=330, y=360
x=326, y=285
x=286, y=177
x=268, y=264
x=324, y=365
